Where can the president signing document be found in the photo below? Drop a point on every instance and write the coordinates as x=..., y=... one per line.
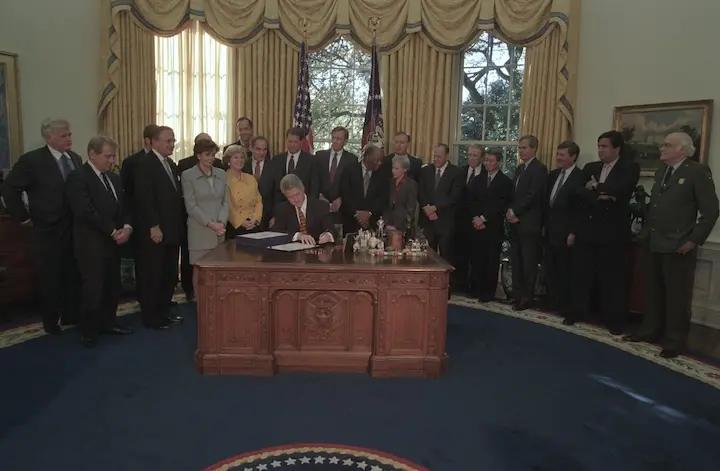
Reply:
x=308, y=219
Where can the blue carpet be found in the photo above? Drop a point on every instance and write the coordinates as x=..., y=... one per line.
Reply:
x=518, y=396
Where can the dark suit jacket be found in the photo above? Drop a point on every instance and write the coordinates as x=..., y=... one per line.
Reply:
x=265, y=187
x=403, y=205
x=414, y=170
x=158, y=201
x=95, y=213
x=608, y=221
x=528, y=196
x=564, y=216
x=317, y=218
x=249, y=150
x=353, y=200
x=490, y=202
x=445, y=197
x=330, y=190
x=305, y=168
x=189, y=162
x=672, y=217
x=465, y=203
x=127, y=175
x=38, y=174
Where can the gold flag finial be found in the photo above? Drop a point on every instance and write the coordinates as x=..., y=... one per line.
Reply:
x=303, y=26
x=373, y=23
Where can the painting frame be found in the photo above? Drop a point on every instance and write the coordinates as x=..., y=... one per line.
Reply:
x=10, y=110
x=697, y=113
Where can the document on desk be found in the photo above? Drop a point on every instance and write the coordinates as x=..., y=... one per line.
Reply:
x=293, y=247
x=263, y=235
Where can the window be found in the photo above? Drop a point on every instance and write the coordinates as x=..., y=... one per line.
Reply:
x=339, y=82
x=191, y=70
x=490, y=108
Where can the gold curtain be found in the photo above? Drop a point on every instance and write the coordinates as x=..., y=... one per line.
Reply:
x=130, y=97
x=265, y=72
x=420, y=88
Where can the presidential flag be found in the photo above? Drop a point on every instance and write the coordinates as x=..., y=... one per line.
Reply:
x=373, y=128
x=302, y=117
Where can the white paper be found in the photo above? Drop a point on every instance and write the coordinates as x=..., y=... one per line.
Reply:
x=263, y=235
x=292, y=247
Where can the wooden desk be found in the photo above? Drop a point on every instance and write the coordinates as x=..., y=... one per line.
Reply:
x=16, y=255
x=321, y=310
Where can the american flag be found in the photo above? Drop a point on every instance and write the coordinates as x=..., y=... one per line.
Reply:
x=373, y=128
x=302, y=117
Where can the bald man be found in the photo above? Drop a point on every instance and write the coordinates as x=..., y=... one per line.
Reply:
x=683, y=210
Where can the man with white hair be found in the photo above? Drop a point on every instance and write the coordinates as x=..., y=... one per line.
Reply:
x=683, y=210
x=41, y=174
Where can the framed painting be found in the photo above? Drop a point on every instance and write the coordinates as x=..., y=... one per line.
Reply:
x=11, y=145
x=645, y=127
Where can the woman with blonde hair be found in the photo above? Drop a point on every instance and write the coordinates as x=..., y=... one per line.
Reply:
x=246, y=207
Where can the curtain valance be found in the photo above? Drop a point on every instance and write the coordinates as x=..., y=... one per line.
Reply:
x=448, y=25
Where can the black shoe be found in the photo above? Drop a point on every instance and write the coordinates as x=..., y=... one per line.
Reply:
x=118, y=330
x=639, y=338
x=175, y=319
x=616, y=330
x=172, y=303
x=160, y=326
x=669, y=353
x=52, y=329
x=88, y=342
x=569, y=321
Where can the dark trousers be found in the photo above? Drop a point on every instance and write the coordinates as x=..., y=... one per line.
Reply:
x=137, y=263
x=558, y=265
x=186, y=268
x=525, y=253
x=100, y=284
x=442, y=242
x=668, y=298
x=465, y=267
x=485, y=264
x=158, y=278
x=58, y=277
x=601, y=270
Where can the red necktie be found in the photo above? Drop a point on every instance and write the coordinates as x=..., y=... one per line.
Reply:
x=257, y=170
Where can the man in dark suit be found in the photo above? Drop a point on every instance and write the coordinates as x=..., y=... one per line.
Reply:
x=401, y=145
x=244, y=129
x=158, y=225
x=525, y=216
x=603, y=234
x=332, y=163
x=307, y=219
x=439, y=191
x=258, y=165
x=127, y=175
x=364, y=189
x=101, y=224
x=489, y=193
x=672, y=232
x=464, y=232
x=186, y=268
x=41, y=174
x=563, y=208
x=294, y=160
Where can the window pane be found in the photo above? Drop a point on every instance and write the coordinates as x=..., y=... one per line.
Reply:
x=496, y=118
x=514, y=129
x=461, y=153
x=471, y=124
x=497, y=88
x=509, y=162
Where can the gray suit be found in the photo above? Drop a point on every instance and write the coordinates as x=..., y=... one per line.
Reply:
x=205, y=203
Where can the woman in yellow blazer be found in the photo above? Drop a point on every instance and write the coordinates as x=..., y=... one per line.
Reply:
x=246, y=205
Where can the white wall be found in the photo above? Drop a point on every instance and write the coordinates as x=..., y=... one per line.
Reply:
x=58, y=47
x=653, y=51
x=646, y=51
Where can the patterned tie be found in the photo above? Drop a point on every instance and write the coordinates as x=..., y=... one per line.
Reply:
x=366, y=181
x=521, y=168
x=604, y=173
x=168, y=170
x=666, y=178
x=67, y=165
x=556, y=190
x=291, y=164
x=333, y=167
x=108, y=187
x=471, y=178
x=303, y=223
x=438, y=175
x=258, y=170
